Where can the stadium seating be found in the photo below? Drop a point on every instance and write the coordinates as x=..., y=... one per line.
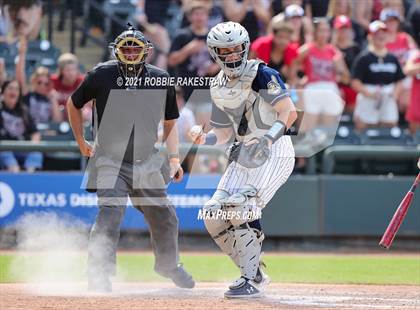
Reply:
x=59, y=160
x=40, y=53
x=385, y=136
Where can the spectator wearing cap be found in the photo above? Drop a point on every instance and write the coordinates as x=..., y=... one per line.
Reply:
x=276, y=48
x=41, y=100
x=17, y=124
x=343, y=7
x=343, y=40
x=254, y=15
x=401, y=44
x=412, y=68
x=294, y=15
x=323, y=65
x=398, y=5
x=376, y=77
x=66, y=80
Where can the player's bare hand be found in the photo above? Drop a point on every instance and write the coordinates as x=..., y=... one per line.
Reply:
x=176, y=173
x=86, y=149
x=197, y=135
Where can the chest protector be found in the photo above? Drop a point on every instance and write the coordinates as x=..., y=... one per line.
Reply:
x=250, y=115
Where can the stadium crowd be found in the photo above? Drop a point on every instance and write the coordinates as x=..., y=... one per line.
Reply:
x=365, y=53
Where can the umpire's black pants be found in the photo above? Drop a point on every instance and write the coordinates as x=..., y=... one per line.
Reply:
x=147, y=191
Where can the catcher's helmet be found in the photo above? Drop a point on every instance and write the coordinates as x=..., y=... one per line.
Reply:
x=131, y=48
x=225, y=35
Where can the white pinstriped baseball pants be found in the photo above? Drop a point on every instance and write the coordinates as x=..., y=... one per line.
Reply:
x=268, y=178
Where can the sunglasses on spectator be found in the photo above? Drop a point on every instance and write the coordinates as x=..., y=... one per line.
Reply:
x=41, y=83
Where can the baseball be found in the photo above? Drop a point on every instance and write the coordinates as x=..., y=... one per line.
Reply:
x=196, y=131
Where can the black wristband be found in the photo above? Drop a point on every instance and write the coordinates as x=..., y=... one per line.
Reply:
x=276, y=131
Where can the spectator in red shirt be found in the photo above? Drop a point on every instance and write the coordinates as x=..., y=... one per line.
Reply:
x=67, y=80
x=276, y=49
x=323, y=66
x=400, y=44
x=412, y=68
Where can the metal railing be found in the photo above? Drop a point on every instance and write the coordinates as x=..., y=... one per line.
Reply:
x=71, y=146
x=329, y=157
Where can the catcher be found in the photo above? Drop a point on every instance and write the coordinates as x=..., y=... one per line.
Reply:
x=251, y=104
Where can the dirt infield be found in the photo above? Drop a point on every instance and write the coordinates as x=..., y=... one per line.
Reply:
x=208, y=296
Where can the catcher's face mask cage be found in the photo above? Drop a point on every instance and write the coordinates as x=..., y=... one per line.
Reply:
x=232, y=60
x=230, y=36
x=131, y=50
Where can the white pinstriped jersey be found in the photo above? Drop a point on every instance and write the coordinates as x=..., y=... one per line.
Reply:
x=246, y=104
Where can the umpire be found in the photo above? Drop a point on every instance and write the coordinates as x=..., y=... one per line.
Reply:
x=139, y=171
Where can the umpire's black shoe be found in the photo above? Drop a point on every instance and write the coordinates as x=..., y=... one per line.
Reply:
x=243, y=288
x=180, y=277
x=99, y=285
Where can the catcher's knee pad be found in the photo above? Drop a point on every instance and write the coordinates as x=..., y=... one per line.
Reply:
x=215, y=224
x=244, y=204
x=247, y=249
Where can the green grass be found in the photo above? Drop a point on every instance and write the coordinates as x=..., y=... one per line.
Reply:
x=289, y=268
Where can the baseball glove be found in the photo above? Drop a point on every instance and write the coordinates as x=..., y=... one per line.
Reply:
x=250, y=155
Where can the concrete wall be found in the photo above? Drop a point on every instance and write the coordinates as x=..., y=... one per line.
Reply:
x=340, y=206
